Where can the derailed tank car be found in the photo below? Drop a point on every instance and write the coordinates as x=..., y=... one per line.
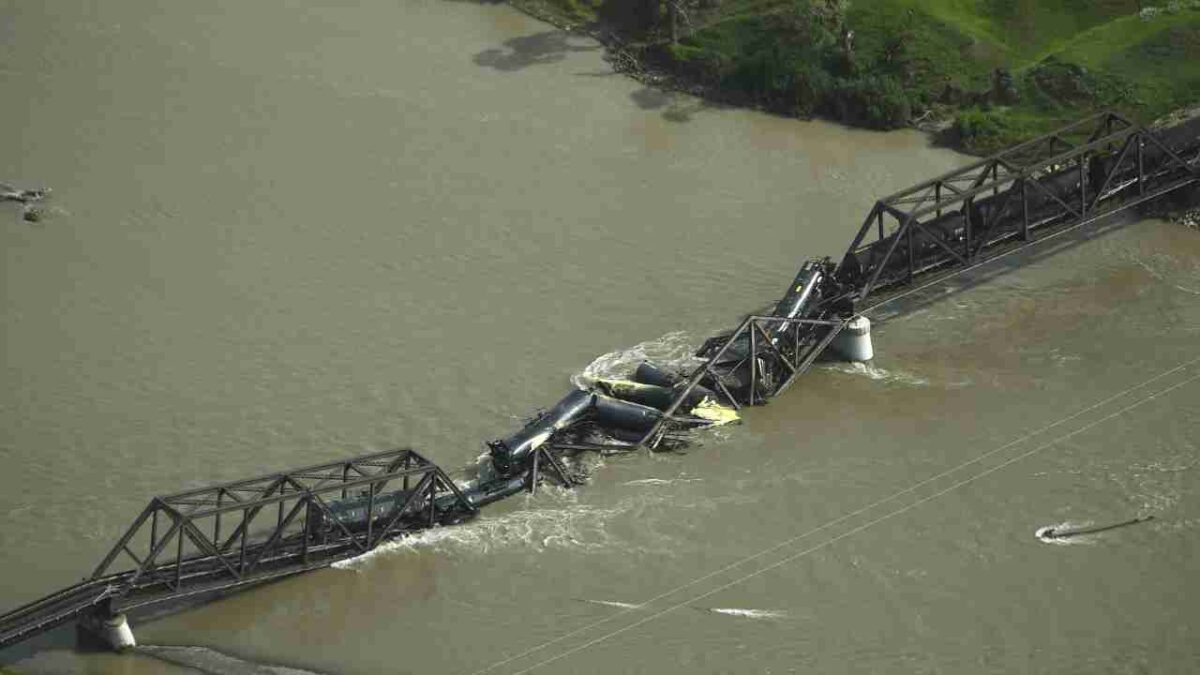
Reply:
x=351, y=513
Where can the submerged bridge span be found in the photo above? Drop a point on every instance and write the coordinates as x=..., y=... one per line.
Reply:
x=206, y=542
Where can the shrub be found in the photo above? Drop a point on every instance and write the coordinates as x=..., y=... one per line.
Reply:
x=874, y=100
x=812, y=85
x=991, y=130
x=700, y=63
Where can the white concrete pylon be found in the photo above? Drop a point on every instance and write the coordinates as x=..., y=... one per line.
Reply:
x=854, y=342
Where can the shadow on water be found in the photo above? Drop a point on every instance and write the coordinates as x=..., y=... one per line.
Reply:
x=64, y=638
x=674, y=107
x=681, y=112
x=649, y=98
x=530, y=50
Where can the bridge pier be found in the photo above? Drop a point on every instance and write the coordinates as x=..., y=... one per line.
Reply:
x=854, y=342
x=108, y=627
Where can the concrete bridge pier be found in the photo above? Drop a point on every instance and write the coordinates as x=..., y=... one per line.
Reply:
x=107, y=627
x=854, y=342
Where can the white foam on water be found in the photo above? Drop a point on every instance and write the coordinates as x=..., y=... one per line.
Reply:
x=481, y=471
x=874, y=372
x=213, y=662
x=1174, y=464
x=673, y=350
x=1154, y=484
x=749, y=613
x=1177, y=525
x=1040, y=533
x=1058, y=356
x=566, y=525
x=661, y=481
x=611, y=603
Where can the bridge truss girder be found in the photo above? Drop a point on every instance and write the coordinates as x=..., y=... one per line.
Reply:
x=179, y=547
x=1075, y=175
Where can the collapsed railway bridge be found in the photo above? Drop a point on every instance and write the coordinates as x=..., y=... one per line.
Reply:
x=203, y=543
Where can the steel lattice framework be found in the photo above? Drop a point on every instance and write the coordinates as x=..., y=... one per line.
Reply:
x=241, y=533
x=1075, y=175
x=759, y=359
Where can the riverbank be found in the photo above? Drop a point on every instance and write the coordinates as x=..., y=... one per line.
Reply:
x=982, y=77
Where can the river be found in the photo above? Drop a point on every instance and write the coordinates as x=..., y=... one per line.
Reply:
x=283, y=233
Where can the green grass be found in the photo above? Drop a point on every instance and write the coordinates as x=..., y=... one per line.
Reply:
x=1146, y=68
x=1160, y=59
x=1066, y=58
x=1025, y=29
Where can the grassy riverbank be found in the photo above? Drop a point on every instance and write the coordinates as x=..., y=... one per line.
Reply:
x=992, y=71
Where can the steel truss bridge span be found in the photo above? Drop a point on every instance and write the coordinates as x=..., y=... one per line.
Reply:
x=205, y=542
x=1018, y=198
x=1080, y=173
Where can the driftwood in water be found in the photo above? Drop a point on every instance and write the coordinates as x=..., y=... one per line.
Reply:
x=1063, y=533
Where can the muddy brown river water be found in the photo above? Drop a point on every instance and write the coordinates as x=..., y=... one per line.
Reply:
x=284, y=232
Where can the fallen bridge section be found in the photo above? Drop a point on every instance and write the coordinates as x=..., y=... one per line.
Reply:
x=201, y=543
x=766, y=353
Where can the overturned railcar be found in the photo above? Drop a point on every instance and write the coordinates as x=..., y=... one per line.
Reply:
x=611, y=414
